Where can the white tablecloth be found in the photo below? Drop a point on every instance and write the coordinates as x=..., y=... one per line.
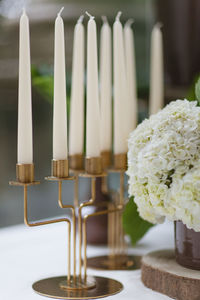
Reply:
x=30, y=254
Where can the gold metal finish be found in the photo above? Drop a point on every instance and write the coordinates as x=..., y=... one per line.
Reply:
x=106, y=159
x=71, y=286
x=50, y=287
x=25, y=173
x=52, y=178
x=115, y=262
x=104, y=212
x=86, y=175
x=78, y=284
x=120, y=161
x=118, y=259
x=93, y=165
x=17, y=183
x=76, y=162
x=60, y=168
x=73, y=221
x=49, y=222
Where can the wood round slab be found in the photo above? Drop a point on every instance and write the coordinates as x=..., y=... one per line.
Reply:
x=161, y=273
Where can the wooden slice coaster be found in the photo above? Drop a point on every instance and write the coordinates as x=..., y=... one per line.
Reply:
x=161, y=273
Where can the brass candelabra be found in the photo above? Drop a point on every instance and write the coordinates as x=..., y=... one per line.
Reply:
x=76, y=284
x=118, y=258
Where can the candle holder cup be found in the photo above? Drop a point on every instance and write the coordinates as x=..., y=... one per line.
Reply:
x=75, y=285
x=118, y=258
x=106, y=157
x=76, y=162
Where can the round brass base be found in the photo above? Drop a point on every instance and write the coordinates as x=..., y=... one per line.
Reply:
x=78, y=284
x=115, y=262
x=50, y=287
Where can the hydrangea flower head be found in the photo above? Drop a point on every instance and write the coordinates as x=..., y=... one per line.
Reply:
x=164, y=165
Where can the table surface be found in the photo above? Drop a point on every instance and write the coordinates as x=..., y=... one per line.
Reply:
x=30, y=254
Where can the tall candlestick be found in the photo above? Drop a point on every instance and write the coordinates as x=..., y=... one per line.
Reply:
x=105, y=87
x=156, y=72
x=93, y=112
x=76, y=129
x=25, y=138
x=132, y=109
x=59, y=109
x=120, y=90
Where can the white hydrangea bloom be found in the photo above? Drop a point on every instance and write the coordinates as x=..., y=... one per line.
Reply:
x=164, y=162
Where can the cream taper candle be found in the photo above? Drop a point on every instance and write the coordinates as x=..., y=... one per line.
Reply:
x=120, y=90
x=76, y=128
x=132, y=107
x=156, y=72
x=59, y=106
x=25, y=138
x=93, y=112
x=105, y=87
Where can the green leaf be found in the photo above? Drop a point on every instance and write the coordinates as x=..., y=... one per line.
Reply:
x=44, y=85
x=197, y=90
x=133, y=224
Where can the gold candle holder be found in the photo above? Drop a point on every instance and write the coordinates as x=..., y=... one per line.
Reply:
x=120, y=161
x=25, y=173
x=106, y=159
x=93, y=165
x=76, y=162
x=60, y=168
x=118, y=258
x=73, y=285
x=106, y=163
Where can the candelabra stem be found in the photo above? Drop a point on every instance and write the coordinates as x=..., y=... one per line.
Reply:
x=76, y=184
x=80, y=241
x=121, y=198
x=86, y=217
x=73, y=221
x=90, y=202
x=26, y=221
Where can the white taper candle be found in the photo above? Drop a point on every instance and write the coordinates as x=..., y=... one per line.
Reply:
x=105, y=86
x=156, y=72
x=76, y=128
x=120, y=90
x=93, y=112
x=25, y=138
x=59, y=107
x=132, y=107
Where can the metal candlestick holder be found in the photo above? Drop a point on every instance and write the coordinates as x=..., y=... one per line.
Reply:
x=76, y=284
x=118, y=258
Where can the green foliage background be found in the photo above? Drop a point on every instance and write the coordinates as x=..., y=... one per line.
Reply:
x=133, y=224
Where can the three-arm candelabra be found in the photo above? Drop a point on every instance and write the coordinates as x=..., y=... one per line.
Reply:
x=118, y=258
x=76, y=284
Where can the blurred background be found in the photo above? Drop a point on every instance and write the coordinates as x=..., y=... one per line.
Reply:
x=181, y=34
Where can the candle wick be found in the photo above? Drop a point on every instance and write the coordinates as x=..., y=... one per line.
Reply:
x=24, y=10
x=89, y=15
x=80, y=19
x=118, y=16
x=129, y=22
x=104, y=19
x=159, y=25
x=59, y=13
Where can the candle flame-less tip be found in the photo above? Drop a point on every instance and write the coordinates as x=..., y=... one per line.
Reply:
x=118, y=16
x=59, y=13
x=159, y=25
x=104, y=19
x=129, y=22
x=80, y=19
x=89, y=15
